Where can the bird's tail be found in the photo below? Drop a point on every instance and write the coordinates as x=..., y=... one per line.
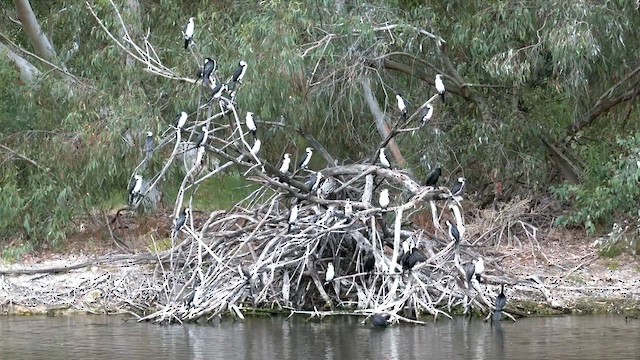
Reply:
x=442, y=97
x=186, y=43
x=497, y=315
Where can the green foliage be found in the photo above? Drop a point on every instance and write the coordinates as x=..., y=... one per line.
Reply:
x=306, y=62
x=613, y=192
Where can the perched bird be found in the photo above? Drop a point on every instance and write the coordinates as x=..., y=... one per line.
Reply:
x=181, y=120
x=383, y=200
x=313, y=180
x=369, y=263
x=188, y=32
x=256, y=146
x=457, y=190
x=217, y=91
x=454, y=234
x=501, y=302
x=469, y=270
x=440, y=87
x=202, y=137
x=415, y=256
x=148, y=144
x=239, y=73
x=251, y=125
x=427, y=116
x=284, y=167
x=135, y=188
x=348, y=208
x=331, y=273
x=304, y=164
x=182, y=218
x=383, y=158
x=208, y=70
x=293, y=217
x=433, y=176
x=380, y=320
x=478, y=268
x=401, y=106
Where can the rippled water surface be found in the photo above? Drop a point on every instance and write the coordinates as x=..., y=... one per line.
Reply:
x=100, y=337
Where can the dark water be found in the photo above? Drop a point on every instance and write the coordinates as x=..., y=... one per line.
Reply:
x=98, y=337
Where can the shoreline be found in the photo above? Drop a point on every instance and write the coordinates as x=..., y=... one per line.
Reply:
x=122, y=287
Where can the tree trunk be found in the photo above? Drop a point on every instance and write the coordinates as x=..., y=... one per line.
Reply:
x=132, y=13
x=381, y=124
x=28, y=72
x=30, y=24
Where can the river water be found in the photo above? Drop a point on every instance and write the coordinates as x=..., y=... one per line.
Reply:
x=103, y=337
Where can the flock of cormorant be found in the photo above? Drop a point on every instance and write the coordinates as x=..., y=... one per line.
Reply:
x=411, y=255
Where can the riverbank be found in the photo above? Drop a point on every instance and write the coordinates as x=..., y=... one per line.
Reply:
x=573, y=279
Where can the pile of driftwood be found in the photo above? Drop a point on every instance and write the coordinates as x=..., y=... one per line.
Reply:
x=339, y=237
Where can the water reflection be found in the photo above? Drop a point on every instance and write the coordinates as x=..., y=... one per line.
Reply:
x=95, y=337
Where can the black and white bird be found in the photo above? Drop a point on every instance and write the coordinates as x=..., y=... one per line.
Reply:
x=304, y=164
x=293, y=217
x=440, y=87
x=188, y=32
x=148, y=144
x=479, y=268
x=181, y=120
x=217, y=91
x=501, y=302
x=402, y=107
x=380, y=320
x=284, y=167
x=457, y=190
x=331, y=272
x=241, y=70
x=348, y=208
x=454, y=234
x=251, y=124
x=313, y=181
x=256, y=146
x=208, y=71
x=202, y=137
x=433, y=176
x=382, y=157
x=182, y=219
x=427, y=116
x=135, y=188
x=383, y=200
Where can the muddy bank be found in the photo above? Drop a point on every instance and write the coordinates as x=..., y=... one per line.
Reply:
x=577, y=280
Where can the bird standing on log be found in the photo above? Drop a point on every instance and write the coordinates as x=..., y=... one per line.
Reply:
x=182, y=219
x=208, y=70
x=440, y=87
x=457, y=190
x=331, y=273
x=383, y=158
x=188, y=32
x=284, y=167
x=181, y=120
x=427, y=116
x=402, y=107
x=251, y=124
x=454, y=234
x=432, y=178
x=135, y=188
x=383, y=200
x=304, y=164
